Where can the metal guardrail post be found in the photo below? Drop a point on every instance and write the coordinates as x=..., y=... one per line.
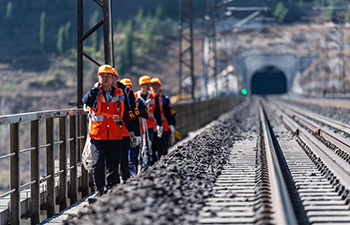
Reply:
x=107, y=23
x=186, y=55
x=85, y=174
x=62, y=199
x=73, y=190
x=15, y=174
x=79, y=51
x=50, y=168
x=106, y=31
x=34, y=189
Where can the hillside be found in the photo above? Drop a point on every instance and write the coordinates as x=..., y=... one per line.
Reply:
x=40, y=76
x=38, y=45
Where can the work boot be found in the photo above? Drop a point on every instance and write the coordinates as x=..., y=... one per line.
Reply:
x=97, y=194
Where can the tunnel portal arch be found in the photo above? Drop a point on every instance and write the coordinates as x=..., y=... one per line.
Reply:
x=269, y=80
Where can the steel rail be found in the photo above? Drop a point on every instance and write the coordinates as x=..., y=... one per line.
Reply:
x=324, y=102
x=281, y=202
x=329, y=135
x=339, y=167
x=330, y=122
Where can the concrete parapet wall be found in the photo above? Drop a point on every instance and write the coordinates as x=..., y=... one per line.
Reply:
x=193, y=115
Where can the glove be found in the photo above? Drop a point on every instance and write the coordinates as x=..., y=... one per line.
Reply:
x=86, y=108
x=97, y=84
x=132, y=139
x=172, y=138
x=159, y=131
x=131, y=135
x=135, y=141
x=172, y=129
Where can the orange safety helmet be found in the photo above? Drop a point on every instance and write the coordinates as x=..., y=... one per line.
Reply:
x=156, y=81
x=115, y=73
x=105, y=69
x=144, y=80
x=126, y=82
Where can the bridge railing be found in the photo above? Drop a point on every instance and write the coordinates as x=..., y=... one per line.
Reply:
x=61, y=182
x=192, y=115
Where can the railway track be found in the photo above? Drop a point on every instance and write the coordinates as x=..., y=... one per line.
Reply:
x=338, y=103
x=266, y=163
x=272, y=178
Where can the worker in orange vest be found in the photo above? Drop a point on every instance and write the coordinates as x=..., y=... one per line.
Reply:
x=134, y=151
x=153, y=123
x=168, y=119
x=107, y=113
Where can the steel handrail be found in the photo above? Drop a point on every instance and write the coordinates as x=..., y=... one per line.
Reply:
x=68, y=177
x=25, y=117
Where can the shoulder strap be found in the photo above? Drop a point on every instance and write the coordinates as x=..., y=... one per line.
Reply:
x=120, y=92
x=127, y=94
x=99, y=98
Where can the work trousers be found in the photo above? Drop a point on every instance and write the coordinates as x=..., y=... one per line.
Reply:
x=124, y=162
x=105, y=154
x=165, y=142
x=147, y=158
x=134, y=160
x=160, y=145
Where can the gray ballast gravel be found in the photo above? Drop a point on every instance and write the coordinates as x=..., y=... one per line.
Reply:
x=175, y=190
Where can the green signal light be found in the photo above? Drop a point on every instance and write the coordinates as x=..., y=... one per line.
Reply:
x=244, y=91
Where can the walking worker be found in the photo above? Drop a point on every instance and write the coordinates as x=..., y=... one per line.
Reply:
x=134, y=151
x=153, y=122
x=168, y=118
x=107, y=113
x=127, y=136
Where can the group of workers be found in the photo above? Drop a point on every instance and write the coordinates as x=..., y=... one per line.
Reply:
x=130, y=130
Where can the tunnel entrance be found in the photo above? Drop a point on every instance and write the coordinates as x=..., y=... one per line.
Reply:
x=269, y=80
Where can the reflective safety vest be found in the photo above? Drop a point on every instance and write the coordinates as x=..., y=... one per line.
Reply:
x=165, y=123
x=106, y=118
x=151, y=104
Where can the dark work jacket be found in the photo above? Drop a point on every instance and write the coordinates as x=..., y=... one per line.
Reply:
x=167, y=110
x=143, y=110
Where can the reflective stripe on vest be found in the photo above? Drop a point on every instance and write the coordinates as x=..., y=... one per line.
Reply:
x=98, y=118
